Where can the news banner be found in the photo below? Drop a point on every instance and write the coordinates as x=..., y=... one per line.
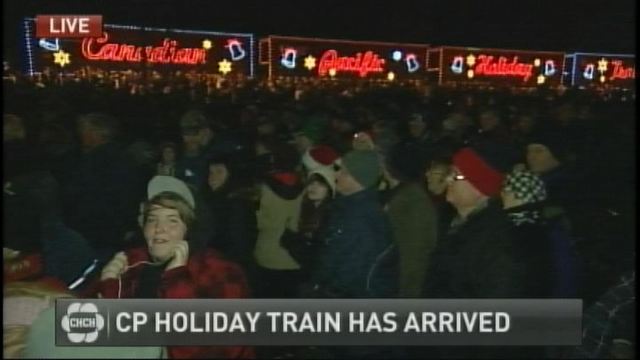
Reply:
x=147, y=322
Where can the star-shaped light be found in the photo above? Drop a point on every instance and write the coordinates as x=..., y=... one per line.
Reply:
x=470, y=74
x=224, y=66
x=61, y=58
x=541, y=79
x=332, y=72
x=207, y=44
x=536, y=62
x=602, y=65
x=471, y=60
x=310, y=62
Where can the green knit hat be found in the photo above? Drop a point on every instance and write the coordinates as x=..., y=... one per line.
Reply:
x=364, y=166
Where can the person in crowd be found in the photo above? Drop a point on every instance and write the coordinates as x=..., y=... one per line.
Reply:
x=491, y=127
x=201, y=141
x=414, y=219
x=304, y=246
x=608, y=326
x=168, y=155
x=196, y=136
x=23, y=301
x=547, y=157
x=475, y=258
x=280, y=195
x=420, y=133
x=436, y=174
x=101, y=197
x=311, y=133
x=340, y=135
x=231, y=198
x=19, y=176
x=357, y=221
x=384, y=133
x=546, y=152
x=526, y=122
x=363, y=140
x=523, y=195
x=172, y=265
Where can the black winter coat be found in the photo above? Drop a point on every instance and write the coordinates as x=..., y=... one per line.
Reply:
x=358, y=258
x=234, y=221
x=476, y=260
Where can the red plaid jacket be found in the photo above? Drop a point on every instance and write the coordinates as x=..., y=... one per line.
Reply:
x=206, y=275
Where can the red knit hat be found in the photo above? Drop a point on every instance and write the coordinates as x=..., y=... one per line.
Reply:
x=484, y=177
x=319, y=156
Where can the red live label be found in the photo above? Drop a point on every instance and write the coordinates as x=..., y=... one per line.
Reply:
x=68, y=26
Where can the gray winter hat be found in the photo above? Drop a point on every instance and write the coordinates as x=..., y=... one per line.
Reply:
x=364, y=166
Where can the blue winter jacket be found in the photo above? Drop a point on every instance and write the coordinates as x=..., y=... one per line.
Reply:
x=358, y=259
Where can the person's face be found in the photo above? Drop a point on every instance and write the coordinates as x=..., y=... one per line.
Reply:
x=266, y=129
x=302, y=143
x=88, y=137
x=218, y=175
x=168, y=155
x=317, y=191
x=437, y=179
x=416, y=127
x=525, y=124
x=509, y=200
x=163, y=230
x=539, y=159
x=191, y=141
x=261, y=149
x=345, y=183
x=460, y=193
x=362, y=141
x=488, y=121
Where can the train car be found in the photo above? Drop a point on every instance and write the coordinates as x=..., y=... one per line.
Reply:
x=602, y=71
x=469, y=66
x=124, y=47
x=297, y=57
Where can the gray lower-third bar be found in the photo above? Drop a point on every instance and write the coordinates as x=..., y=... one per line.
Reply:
x=160, y=322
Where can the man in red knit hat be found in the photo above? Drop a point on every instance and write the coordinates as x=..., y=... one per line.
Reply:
x=475, y=258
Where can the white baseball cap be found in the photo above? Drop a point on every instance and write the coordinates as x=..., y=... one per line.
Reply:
x=162, y=183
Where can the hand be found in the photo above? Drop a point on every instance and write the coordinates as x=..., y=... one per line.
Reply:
x=115, y=267
x=180, y=255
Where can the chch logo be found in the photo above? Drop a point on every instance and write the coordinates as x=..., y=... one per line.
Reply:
x=82, y=322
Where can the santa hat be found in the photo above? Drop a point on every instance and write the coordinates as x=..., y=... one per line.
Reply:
x=319, y=156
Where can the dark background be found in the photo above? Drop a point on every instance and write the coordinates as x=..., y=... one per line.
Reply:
x=554, y=25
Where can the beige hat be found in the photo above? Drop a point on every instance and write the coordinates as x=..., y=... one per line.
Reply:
x=162, y=183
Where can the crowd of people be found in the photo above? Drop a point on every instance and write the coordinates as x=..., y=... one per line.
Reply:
x=321, y=189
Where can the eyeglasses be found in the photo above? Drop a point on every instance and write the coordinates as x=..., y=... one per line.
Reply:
x=456, y=177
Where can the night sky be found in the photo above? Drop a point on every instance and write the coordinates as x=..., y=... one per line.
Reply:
x=554, y=25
